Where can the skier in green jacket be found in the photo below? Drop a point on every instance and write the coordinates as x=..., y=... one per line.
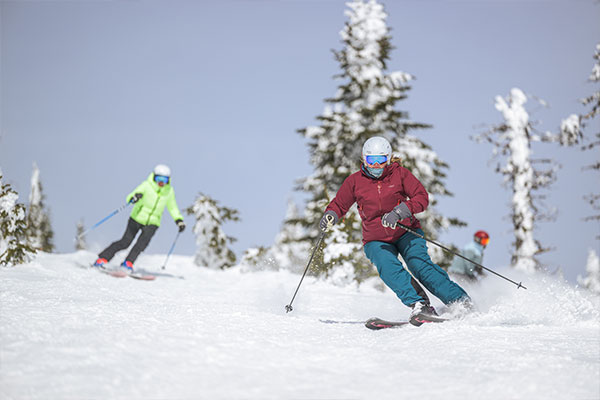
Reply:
x=150, y=199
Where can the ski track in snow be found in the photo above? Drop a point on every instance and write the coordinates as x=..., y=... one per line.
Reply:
x=67, y=332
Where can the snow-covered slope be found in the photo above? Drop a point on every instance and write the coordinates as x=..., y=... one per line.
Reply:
x=71, y=333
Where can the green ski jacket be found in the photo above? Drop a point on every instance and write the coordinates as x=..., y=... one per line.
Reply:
x=149, y=209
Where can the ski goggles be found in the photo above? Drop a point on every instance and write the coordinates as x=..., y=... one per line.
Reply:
x=378, y=159
x=485, y=241
x=161, y=178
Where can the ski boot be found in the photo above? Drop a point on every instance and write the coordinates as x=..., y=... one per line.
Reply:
x=127, y=266
x=100, y=263
x=423, y=313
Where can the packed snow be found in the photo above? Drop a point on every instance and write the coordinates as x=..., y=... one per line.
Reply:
x=69, y=332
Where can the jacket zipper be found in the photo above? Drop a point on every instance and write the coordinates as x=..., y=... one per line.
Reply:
x=153, y=208
x=379, y=196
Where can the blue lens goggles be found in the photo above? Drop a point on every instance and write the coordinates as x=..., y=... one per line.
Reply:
x=380, y=159
x=161, y=178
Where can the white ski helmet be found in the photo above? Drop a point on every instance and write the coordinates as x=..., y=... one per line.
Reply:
x=163, y=170
x=377, y=146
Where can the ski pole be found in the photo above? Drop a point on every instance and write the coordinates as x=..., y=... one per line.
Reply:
x=171, y=251
x=519, y=285
x=118, y=210
x=289, y=308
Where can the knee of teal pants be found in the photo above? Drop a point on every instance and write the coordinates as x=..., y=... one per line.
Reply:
x=392, y=272
x=413, y=250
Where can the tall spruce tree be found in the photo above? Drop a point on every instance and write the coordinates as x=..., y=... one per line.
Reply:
x=364, y=106
x=212, y=243
x=526, y=176
x=572, y=127
x=14, y=247
x=39, y=229
x=593, y=101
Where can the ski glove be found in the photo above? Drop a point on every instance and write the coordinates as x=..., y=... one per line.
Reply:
x=401, y=211
x=328, y=220
x=180, y=225
x=136, y=197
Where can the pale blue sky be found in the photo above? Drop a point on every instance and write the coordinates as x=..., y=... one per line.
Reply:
x=98, y=92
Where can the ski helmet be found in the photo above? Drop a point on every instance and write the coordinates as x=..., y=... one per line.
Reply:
x=377, y=146
x=162, y=170
x=482, y=237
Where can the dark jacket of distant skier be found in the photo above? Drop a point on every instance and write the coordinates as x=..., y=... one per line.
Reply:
x=150, y=199
x=387, y=193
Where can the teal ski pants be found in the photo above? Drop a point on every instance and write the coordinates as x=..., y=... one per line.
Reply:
x=413, y=250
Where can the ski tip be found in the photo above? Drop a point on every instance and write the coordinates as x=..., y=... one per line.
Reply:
x=142, y=277
x=376, y=324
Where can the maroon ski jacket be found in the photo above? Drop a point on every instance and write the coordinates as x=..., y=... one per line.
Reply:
x=376, y=197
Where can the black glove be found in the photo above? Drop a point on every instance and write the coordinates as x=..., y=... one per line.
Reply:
x=328, y=220
x=180, y=225
x=136, y=197
x=401, y=211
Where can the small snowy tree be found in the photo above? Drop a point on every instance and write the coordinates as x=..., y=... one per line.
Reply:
x=512, y=140
x=80, y=243
x=592, y=279
x=39, y=229
x=289, y=250
x=14, y=248
x=364, y=106
x=212, y=243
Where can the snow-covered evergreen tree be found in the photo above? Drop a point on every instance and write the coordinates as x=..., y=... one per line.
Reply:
x=512, y=140
x=212, y=243
x=591, y=280
x=572, y=127
x=365, y=105
x=289, y=250
x=39, y=229
x=80, y=243
x=14, y=248
x=593, y=101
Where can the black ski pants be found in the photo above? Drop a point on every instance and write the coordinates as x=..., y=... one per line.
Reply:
x=133, y=227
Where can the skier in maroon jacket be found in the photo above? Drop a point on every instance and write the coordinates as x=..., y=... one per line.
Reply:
x=387, y=193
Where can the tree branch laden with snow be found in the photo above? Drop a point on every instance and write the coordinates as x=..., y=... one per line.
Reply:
x=14, y=247
x=211, y=241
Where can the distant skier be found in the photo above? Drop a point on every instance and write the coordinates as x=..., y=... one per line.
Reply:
x=388, y=193
x=467, y=271
x=150, y=198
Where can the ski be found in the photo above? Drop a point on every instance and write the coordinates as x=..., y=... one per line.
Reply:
x=378, y=323
x=418, y=321
x=142, y=276
x=119, y=273
x=112, y=272
x=332, y=321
